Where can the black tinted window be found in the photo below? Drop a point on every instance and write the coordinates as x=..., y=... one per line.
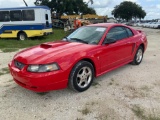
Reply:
x=4, y=16
x=130, y=33
x=117, y=33
x=46, y=16
x=28, y=15
x=16, y=15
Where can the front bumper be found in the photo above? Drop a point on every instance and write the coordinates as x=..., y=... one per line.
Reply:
x=39, y=82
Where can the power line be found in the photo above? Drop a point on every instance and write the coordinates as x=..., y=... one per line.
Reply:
x=25, y=3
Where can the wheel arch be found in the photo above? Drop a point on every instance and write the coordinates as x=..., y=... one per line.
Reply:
x=142, y=45
x=90, y=61
x=21, y=31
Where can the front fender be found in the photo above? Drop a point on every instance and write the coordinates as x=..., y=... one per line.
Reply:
x=68, y=62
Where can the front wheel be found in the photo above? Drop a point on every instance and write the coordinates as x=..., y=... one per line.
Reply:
x=81, y=76
x=138, y=56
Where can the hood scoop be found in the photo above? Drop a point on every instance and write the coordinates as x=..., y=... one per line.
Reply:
x=52, y=45
x=44, y=45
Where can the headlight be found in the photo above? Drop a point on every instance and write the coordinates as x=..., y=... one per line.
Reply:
x=43, y=68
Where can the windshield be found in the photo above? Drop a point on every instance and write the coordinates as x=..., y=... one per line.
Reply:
x=87, y=34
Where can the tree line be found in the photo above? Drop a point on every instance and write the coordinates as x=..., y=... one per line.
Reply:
x=69, y=7
x=126, y=10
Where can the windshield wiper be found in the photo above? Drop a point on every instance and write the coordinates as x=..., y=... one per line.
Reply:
x=79, y=40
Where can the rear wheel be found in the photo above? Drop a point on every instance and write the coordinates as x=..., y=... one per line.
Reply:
x=22, y=36
x=138, y=56
x=81, y=76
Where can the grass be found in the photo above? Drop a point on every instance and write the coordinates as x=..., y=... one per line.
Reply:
x=139, y=112
x=134, y=92
x=42, y=93
x=11, y=80
x=111, y=82
x=4, y=96
x=92, y=103
x=7, y=85
x=85, y=111
x=9, y=49
x=112, y=79
x=95, y=83
x=102, y=117
x=79, y=119
x=145, y=88
x=10, y=45
x=4, y=71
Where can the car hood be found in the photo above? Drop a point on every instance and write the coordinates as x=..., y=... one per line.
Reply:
x=48, y=52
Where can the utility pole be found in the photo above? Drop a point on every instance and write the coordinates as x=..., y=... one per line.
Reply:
x=25, y=3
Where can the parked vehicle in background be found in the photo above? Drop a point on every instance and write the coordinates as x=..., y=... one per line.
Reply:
x=148, y=25
x=88, y=52
x=139, y=24
x=23, y=22
x=56, y=23
x=156, y=25
x=152, y=24
x=131, y=23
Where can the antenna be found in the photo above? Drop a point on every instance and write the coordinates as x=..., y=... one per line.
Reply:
x=25, y=3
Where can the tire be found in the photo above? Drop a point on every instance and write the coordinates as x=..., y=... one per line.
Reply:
x=138, y=56
x=22, y=36
x=81, y=76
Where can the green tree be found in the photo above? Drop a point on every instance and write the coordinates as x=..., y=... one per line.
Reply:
x=128, y=10
x=67, y=6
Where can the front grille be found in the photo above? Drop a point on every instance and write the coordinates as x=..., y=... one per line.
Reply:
x=19, y=65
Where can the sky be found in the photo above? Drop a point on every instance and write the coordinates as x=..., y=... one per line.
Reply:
x=102, y=7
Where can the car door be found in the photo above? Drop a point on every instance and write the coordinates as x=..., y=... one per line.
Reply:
x=117, y=52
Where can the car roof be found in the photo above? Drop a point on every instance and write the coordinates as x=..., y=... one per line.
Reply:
x=106, y=25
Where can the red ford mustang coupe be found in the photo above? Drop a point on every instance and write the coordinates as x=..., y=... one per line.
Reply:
x=88, y=52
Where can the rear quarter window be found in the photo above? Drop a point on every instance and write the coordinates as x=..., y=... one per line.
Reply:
x=117, y=33
x=130, y=33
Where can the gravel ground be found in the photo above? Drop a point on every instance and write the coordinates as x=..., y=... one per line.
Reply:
x=128, y=93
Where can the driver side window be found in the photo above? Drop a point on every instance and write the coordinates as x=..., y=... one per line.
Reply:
x=117, y=33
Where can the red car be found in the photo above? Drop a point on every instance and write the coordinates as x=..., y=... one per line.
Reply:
x=88, y=52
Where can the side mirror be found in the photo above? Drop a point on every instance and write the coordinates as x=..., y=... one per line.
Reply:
x=109, y=40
